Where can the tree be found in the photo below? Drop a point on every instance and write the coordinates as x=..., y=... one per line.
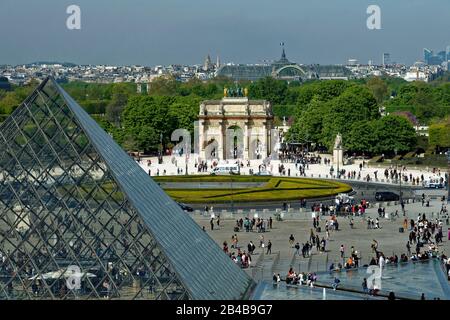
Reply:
x=355, y=104
x=147, y=139
x=394, y=133
x=439, y=134
x=185, y=111
x=269, y=89
x=148, y=112
x=379, y=89
x=9, y=103
x=361, y=138
x=309, y=123
x=164, y=86
x=118, y=102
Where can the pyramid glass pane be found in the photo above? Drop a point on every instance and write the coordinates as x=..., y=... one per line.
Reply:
x=69, y=224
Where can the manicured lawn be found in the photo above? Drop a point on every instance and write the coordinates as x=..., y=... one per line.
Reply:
x=275, y=189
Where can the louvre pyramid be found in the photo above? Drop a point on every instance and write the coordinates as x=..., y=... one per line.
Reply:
x=79, y=219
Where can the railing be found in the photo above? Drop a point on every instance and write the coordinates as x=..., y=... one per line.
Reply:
x=291, y=213
x=257, y=266
x=275, y=261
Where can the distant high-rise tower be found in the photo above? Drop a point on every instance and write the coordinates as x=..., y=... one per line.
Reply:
x=386, y=59
x=427, y=55
x=434, y=59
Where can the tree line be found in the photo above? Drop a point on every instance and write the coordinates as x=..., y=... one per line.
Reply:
x=316, y=110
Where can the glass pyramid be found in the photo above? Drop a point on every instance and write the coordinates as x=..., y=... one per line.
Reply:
x=79, y=219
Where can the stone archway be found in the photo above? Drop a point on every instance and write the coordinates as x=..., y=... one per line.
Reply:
x=226, y=119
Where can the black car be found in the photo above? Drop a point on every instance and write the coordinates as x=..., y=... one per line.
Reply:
x=185, y=207
x=386, y=196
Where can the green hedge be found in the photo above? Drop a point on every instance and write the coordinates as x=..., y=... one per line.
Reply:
x=409, y=155
x=376, y=159
x=276, y=189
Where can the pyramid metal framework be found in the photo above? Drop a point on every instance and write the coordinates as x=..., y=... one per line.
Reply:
x=79, y=219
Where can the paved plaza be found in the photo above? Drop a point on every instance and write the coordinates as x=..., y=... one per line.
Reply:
x=390, y=240
x=176, y=165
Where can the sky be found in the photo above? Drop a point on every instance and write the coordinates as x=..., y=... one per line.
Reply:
x=162, y=32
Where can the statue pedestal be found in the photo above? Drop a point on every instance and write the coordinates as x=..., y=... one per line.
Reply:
x=338, y=158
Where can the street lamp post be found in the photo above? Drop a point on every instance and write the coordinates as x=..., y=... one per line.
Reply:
x=448, y=177
x=160, y=148
x=401, y=178
x=231, y=194
x=400, y=175
x=338, y=172
x=187, y=151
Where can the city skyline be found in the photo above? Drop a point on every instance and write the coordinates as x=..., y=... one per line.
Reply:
x=38, y=32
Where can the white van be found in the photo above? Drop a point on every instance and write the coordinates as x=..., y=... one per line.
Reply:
x=433, y=183
x=223, y=169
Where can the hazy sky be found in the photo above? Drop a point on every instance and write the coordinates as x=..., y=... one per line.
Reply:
x=151, y=32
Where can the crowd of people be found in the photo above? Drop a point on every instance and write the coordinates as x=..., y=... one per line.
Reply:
x=254, y=224
x=424, y=232
x=300, y=278
x=242, y=258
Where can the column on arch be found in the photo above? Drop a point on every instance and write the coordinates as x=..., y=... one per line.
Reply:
x=246, y=153
x=201, y=139
x=265, y=139
x=221, y=132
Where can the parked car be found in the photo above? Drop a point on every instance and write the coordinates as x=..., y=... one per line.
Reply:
x=343, y=199
x=263, y=173
x=185, y=207
x=226, y=169
x=386, y=196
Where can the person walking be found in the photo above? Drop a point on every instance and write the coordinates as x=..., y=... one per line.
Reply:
x=342, y=250
x=408, y=248
x=365, y=287
x=335, y=283
x=374, y=245
x=291, y=240
x=297, y=248
x=269, y=247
